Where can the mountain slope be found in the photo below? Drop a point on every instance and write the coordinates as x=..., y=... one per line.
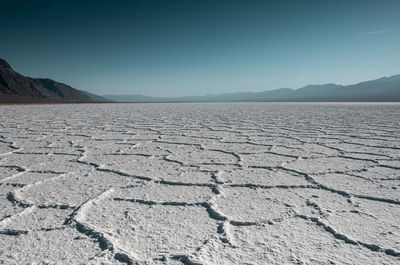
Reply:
x=386, y=89
x=16, y=87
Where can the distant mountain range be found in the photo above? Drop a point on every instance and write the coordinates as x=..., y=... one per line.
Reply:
x=15, y=87
x=386, y=89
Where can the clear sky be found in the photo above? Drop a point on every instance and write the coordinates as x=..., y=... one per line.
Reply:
x=197, y=47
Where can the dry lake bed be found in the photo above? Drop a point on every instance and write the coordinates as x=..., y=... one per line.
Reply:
x=221, y=183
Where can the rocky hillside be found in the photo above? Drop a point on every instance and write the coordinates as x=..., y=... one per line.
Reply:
x=15, y=87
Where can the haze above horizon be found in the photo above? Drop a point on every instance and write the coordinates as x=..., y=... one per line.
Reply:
x=180, y=48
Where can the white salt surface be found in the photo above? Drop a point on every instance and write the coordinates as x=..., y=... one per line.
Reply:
x=232, y=183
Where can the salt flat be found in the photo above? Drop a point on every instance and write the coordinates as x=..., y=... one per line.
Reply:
x=232, y=183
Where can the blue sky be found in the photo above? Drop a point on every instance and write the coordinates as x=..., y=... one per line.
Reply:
x=176, y=48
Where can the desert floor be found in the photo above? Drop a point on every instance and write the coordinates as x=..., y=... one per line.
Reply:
x=217, y=183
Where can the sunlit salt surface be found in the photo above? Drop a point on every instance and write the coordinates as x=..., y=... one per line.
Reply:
x=231, y=183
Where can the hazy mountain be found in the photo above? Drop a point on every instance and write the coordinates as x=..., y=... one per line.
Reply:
x=386, y=89
x=95, y=97
x=15, y=87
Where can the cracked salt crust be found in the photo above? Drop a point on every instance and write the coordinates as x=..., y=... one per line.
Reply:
x=231, y=183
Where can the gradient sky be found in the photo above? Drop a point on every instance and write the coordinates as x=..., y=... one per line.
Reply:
x=175, y=48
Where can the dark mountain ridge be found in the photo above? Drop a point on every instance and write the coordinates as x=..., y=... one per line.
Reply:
x=15, y=87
